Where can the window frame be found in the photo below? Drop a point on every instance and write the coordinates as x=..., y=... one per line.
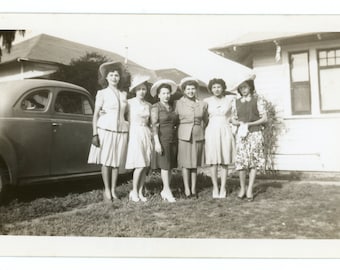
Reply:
x=293, y=112
x=319, y=81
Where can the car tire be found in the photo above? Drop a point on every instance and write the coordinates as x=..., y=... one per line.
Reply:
x=4, y=177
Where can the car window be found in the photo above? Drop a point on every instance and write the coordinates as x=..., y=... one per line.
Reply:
x=36, y=101
x=72, y=102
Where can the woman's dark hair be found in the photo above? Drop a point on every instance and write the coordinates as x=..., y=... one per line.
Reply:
x=191, y=82
x=163, y=85
x=251, y=87
x=122, y=84
x=217, y=81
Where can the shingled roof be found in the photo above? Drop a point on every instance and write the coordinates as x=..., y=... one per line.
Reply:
x=56, y=50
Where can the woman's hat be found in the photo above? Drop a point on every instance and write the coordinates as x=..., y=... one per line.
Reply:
x=187, y=79
x=246, y=78
x=173, y=85
x=110, y=65
x=138, y=80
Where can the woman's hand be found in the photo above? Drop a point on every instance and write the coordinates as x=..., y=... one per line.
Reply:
x=95, y=140
x=158, y=148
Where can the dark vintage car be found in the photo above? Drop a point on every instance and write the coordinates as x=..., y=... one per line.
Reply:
x=45, y=132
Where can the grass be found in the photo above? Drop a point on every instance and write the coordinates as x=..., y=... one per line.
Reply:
x=281, y=210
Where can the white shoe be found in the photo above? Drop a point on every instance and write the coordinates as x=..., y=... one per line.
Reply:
x=133, y=197
x=142, y=197
x=223, y=194
x=168, y=197
x=215, y=195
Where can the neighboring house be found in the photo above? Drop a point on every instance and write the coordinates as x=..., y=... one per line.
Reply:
x=40, y=56
x=300, y=74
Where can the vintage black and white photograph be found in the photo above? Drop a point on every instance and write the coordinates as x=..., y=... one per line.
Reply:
x=170, y=128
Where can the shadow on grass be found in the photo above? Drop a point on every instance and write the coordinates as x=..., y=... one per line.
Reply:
x=61, y=188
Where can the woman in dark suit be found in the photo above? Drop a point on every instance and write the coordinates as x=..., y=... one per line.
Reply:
x=192, y=121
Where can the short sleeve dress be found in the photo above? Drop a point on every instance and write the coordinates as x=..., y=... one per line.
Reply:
x=112, y=129
x=164, y=122
x=219, y=139
x=249, y=149
x=139, y=145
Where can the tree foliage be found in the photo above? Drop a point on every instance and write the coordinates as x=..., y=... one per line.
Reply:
x=7, y=37
x=83, y=71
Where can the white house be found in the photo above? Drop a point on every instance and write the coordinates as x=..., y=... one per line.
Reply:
x=300, y=74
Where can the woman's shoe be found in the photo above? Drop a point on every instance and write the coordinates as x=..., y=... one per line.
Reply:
x=133, y=197
x=223, y=194
x=114, y=196
x=250, y=199
x=168, y=197
x=106, y=199
x=142, y=197
x=215, y=195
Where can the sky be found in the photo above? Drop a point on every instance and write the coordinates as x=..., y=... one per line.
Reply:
x=159, y=41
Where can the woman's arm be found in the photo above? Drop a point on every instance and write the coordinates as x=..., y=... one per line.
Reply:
x=155, y=128
x=95, y=138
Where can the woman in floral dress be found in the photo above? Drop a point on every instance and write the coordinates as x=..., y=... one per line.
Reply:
x=248, y=114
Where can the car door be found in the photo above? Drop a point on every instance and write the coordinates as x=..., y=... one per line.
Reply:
x=72, y=132
x=30, y=133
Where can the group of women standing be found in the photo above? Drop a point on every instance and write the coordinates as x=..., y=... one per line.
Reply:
x=134, y=134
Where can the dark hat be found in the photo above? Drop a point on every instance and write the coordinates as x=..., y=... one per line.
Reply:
x=110, y=65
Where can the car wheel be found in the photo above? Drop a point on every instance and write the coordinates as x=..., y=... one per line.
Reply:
x=3, y=183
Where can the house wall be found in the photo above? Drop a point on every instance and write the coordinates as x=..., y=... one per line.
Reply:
x=25, y=70
x=306, y=142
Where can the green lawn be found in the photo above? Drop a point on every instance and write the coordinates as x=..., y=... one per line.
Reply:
x=281, y=210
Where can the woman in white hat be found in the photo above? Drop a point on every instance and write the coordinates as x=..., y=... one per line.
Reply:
x=140, y=145
x=164, y=121
x=249, y=114
x=219, y=139
x=192, y=120
x=110, y=129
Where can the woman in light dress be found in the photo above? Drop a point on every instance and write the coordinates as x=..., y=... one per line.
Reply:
x=219, y=139
x=139, y=145
x=164, y=121
x=192, y=120
x=248, y=114
x=110, y=129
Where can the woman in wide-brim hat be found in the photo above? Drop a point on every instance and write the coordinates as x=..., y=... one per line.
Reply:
x=164, y=122
x=248, y=114
x=192, y=121
x=140, y=145
x=110, y=129
x=219, y=139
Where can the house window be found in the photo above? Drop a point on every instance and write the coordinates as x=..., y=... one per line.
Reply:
x=329, y=79
x=299, y=82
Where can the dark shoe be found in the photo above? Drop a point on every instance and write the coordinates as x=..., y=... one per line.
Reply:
x=241, y=197
x=195, y=195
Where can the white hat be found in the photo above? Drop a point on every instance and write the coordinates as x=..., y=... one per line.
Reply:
x=245, y=78
x=187, y=79
x=138, y=80
x=157, y=84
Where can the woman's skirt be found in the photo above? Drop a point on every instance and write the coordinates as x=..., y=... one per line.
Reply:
x=249, y=152
x=112, y=149
x=190, y=154
x=139, y=147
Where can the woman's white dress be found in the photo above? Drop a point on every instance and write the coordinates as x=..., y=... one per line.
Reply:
x=112, y=130
x=219, y=139
x=140, y=144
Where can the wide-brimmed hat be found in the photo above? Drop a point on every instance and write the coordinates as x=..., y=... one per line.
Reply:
x=187, y=79
x=173, y=85
x=110, y=65
x=245, y=78
x=138, y=80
